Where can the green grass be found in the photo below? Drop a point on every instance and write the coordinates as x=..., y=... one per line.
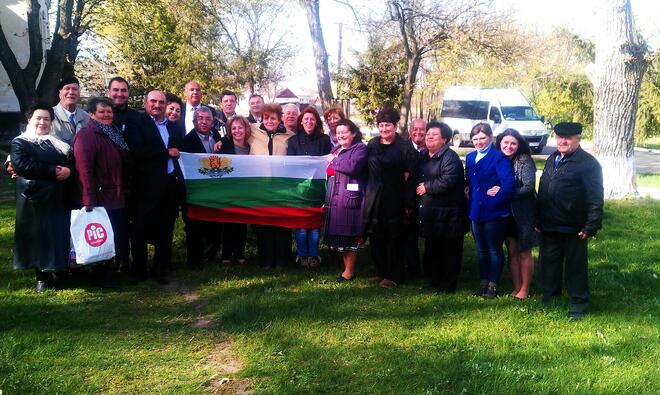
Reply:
x=300, y=332
x=651, y=142
x=648, y=180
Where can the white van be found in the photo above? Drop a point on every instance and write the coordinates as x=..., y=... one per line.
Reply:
x=464, y=107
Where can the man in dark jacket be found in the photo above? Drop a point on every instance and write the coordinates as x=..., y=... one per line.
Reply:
x=569, y=212
x=155, y=147
x=201, y=236
x=193, y=94
x=124, y=117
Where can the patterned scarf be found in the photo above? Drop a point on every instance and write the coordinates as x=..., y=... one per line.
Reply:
x=114, y=134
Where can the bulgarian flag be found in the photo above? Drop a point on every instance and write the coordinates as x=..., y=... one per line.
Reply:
x=283, y=191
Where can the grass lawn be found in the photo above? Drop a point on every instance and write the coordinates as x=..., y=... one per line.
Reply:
x=300, y=332
x=652, y=142
x=648, y=180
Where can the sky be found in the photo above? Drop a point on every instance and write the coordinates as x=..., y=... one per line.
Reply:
x=537, y=15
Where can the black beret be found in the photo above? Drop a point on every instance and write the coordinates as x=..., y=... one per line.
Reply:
x=568, y=128
x=67, y=81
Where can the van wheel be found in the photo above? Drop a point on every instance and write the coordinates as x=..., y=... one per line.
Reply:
x=456, y=140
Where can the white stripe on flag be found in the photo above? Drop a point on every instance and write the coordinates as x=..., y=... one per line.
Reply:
x=303, y=167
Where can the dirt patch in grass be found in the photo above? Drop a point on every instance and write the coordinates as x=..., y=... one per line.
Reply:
x=223, y=361
x=204, y=322
x=176, y=285
x=225, y=385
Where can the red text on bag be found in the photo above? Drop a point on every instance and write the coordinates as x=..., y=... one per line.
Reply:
x=95, y=234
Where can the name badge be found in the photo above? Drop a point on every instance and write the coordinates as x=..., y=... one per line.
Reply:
x=352, y=187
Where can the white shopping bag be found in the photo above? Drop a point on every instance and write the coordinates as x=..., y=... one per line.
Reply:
x=92, y=235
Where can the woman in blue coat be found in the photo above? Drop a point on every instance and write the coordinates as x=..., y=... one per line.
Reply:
x=490, y=186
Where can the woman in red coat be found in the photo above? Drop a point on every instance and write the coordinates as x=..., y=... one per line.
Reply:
x=103, y=161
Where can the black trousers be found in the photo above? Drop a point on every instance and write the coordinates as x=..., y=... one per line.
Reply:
x=234, y=237
x=442, y=261
x=566, y=254
x=200, y=236
x=154, y=223
x=411, y=245
x=214, y=240
x=273, y=245
x=120, y=228
x=387, y=253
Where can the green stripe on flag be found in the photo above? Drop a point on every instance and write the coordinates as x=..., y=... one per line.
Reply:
x=256, y=192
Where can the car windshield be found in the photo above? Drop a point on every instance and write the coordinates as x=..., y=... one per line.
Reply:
x=469, y=109
x=519, y=113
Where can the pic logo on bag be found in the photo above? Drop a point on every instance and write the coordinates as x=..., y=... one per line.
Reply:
x=95, y=234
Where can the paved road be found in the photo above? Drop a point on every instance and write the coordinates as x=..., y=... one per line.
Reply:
x=645, y=160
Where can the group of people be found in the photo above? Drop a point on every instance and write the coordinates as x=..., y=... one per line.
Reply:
x=389, y=190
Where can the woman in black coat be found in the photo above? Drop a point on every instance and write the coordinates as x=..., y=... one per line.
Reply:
x=521, y=236
x=42, y=164
x=443, y=219
x=308, y=140
x=390, y=196
x=235, y=235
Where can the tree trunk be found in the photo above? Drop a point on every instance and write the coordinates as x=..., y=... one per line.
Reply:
x=616, y=76
x=24, y=78
x=30, y=83
x=320, y=53
x=408, y=90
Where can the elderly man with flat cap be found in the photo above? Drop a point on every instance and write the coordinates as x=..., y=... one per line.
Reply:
x=69, y=118
x=569, y=212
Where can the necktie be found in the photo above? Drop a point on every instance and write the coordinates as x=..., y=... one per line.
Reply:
x=72, y=121
x=557, y=160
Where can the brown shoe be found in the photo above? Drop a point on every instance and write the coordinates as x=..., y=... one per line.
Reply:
x=386, y=283
x=375, y=279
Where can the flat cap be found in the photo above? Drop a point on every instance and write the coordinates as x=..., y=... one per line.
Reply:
x=568, y=128
x=67, y=81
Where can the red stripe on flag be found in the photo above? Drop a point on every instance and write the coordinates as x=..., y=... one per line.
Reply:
x=287, y=217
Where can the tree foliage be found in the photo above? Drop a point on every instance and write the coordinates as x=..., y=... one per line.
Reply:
x=648, y=110
x=256, y=50
x=161, y=44
x=226, y=45
x=377, y=79
x=427, y=26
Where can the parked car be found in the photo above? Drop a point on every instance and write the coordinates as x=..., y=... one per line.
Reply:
x=464, y=107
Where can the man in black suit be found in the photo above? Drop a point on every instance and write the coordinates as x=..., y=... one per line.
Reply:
x=417, y=135
x=155, y=146
x=201, y=236
x=256, y=103
x=228, y=101
x=192, y=91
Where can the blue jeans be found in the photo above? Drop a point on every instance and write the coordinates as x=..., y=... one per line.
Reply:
x=489, y=237
x=307, y=241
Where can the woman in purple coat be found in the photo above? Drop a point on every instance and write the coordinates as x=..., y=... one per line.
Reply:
x=348, y=179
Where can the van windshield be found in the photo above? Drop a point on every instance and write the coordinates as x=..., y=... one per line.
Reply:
x=519, y=113
x=468, y=109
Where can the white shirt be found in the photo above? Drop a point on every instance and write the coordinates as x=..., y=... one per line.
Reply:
x=190, y=112
x=165, y=136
